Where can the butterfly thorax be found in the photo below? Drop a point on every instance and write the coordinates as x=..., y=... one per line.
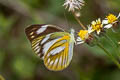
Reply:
x=72, y=36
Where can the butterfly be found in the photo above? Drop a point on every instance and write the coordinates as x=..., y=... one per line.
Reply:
x=52, y=44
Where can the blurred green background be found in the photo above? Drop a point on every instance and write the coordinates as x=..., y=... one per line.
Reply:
x=17, y=60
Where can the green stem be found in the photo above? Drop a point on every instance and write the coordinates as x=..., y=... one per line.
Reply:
x=114, y=45
x=109, y=55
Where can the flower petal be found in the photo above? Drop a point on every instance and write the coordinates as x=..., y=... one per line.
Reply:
x=98, y=32
x=80, y=42
x=108, y=26
x=93, y=23
x=90, y=30
x=79, y=39
x=105, y=22
x=118, y=15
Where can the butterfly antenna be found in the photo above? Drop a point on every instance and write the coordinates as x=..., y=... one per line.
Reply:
x=68, y=24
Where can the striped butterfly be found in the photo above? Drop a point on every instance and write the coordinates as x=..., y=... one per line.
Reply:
x=52, y=44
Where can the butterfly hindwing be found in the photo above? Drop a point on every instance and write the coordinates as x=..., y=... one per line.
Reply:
x=59, y=55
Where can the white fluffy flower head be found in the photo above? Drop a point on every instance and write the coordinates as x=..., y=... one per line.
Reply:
x=73, y=4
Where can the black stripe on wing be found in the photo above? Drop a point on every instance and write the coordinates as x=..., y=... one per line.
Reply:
x=38, y=43
x=35, y=31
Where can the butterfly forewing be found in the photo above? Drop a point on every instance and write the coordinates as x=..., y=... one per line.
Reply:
x=39, y=34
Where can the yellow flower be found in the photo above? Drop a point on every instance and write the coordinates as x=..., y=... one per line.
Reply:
x=97, y=26
x=83, y=35
x=110, y=20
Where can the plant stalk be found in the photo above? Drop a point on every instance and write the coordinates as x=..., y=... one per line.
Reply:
x=79, y=21
x=113, y=44
x=109, y=55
